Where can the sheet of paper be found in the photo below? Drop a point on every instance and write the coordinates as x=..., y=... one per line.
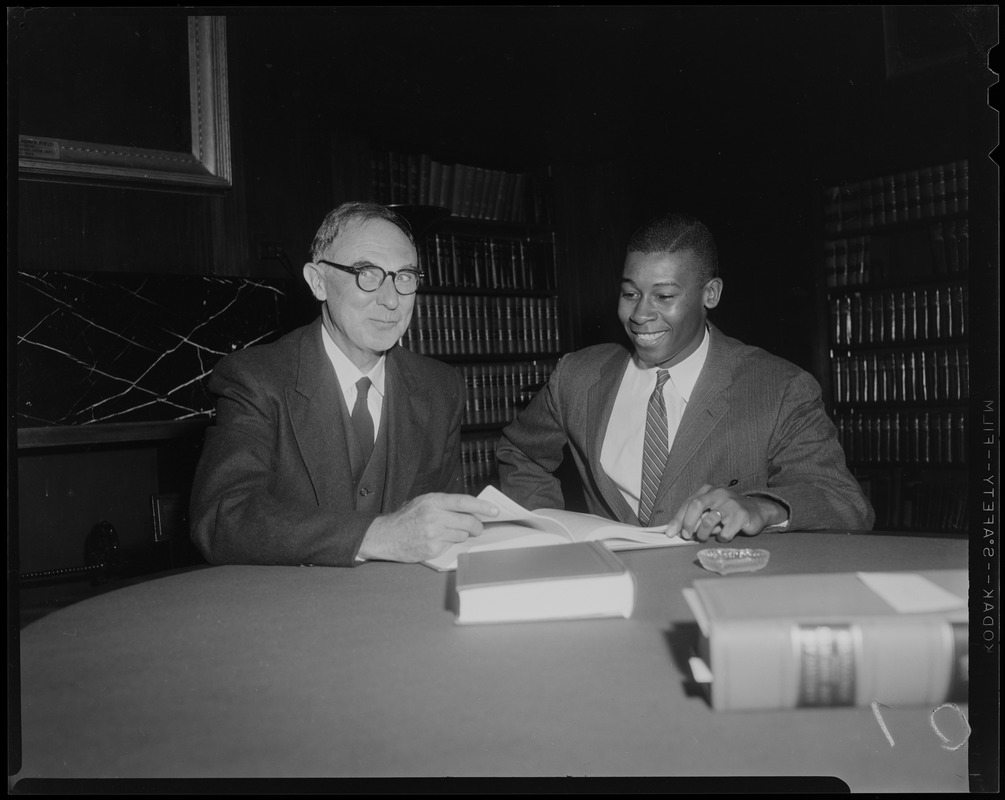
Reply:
x=508, y=509
x=697, y=609
x=908, y=593
x=699, y=670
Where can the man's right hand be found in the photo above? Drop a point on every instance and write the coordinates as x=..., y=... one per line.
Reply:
x=424, y=527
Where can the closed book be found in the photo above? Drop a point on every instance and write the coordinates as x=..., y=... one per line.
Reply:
x=516, y=210
x=502, y=193
x=433, y=197
x=446, y=198
x=572, y=581
x=460, y=179
x=486, y=194
x=471, y=180
x=425, y=170
x=843, y=639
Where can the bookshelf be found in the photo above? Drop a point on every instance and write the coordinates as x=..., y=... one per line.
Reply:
x=896, y=262
x=489, y=303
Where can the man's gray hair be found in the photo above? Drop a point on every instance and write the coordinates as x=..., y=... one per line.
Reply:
x=354, y=213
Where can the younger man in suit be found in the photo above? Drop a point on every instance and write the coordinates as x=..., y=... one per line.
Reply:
x=691, y=429
x=334, y=445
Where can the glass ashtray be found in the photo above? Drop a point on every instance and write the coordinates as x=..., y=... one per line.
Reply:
x=725, y=560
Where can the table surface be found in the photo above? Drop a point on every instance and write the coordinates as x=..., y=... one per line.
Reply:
x=311, y=672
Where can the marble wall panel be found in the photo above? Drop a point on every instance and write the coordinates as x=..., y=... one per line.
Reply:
x=120, y=347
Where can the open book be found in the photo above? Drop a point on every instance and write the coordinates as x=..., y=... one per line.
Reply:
x=517, y=527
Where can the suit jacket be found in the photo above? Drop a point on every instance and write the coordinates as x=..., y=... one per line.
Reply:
x=752, y=417
x=274, y=484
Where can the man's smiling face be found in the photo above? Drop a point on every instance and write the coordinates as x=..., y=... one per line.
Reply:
x=664, y=304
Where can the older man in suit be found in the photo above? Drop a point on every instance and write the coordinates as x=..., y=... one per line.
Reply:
x=333, y=445
x=691, y=429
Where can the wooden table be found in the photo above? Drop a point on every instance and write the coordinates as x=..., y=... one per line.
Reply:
x=310, y=672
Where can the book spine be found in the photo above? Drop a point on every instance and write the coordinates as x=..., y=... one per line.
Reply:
x=460, y=177
x=900, y=661
x=446, y=197
x=435, y=177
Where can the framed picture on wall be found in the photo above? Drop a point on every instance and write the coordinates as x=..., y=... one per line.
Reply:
x=123, y=97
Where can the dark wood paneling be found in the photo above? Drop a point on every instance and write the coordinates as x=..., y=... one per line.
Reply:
x=596, y=210
x=62, y=496
x=73, y=227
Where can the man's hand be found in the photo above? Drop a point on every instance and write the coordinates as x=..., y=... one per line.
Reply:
x=424, y=527
x=720, y=512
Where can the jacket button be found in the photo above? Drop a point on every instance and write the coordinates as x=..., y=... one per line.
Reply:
x=364, y=492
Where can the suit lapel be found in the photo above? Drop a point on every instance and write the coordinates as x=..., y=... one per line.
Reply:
x=316, y=417
x=405, y=407
x=599, y=404
x=706, y=407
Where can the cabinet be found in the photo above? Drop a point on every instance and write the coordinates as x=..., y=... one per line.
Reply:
x=896, y=260
x=489, y=303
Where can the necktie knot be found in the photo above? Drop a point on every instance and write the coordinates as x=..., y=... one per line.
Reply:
x=662, y=376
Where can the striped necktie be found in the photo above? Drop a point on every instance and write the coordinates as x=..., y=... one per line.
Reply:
x=362, y=420
x=657, y=445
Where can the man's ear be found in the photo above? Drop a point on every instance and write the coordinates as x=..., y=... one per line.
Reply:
x=713, y=293
x=315, y=280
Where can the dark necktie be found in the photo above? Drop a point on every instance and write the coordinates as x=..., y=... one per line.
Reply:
x=654, y=452
x=362, y=420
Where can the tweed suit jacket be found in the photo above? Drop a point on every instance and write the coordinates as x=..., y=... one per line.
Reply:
x=274, y=483
x=752, y=417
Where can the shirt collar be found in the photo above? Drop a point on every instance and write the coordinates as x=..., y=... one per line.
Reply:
x=347, y=372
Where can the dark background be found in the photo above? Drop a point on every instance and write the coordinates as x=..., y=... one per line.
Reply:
x=737, y=113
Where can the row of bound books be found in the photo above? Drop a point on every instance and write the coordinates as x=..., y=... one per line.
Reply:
x=914, y=194
x=915, y=376
x=468, y=191
x=895, y=316
x=942, y=249
x=903, y=437
x=496, y=392
x=458, y=261
x=483, y=325
x=930, y=503
x=937, y=506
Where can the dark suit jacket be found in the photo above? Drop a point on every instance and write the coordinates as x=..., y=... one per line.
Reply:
x=752, y=416
x=274, y=484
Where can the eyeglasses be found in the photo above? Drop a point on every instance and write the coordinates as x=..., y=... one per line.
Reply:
x=371, y=278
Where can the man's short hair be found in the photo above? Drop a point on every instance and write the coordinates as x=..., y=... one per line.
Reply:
x=354, y=213
x=674, y=232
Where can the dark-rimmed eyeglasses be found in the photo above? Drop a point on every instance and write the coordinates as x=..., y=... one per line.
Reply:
x=371, y=278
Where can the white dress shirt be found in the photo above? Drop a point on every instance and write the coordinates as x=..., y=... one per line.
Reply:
x=348, y=374
x=621, y=456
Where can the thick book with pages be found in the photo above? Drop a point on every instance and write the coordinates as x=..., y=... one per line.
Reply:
x=516, y=527
x=842, y=639
x=582, y=580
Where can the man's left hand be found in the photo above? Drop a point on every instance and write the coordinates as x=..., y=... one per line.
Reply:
x=720, y=512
